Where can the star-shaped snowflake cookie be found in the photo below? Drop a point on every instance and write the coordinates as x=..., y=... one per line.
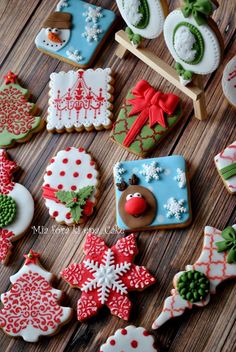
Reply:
x=106, y=275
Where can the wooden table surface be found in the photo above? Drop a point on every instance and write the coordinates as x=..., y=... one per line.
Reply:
x=164, y=253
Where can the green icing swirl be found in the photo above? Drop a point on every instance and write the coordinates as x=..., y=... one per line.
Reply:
x=7, y=210
x=193, y=286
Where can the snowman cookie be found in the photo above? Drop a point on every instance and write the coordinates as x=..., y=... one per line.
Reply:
x=75, y=32
x=229, y=81
x=193, y=39
x=15, y=217
x=130, y=339
x=70, y=187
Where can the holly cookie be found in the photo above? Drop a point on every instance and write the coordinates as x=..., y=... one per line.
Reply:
x=130, y=339
x=15, y=217
x=229, y=81
x=80, y=100
x=106, y=275
x=75, y=32
x=144, y=18
x=17, y=116
x=194, y=39
x=70, y=187
x=31, y=307
x=226, y=166
x=152, y=194
x=217, y=262
x=145, y=119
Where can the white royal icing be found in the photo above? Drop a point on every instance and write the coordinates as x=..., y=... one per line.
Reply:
x=183, y=44
x=229, y=81
x=131, y=8
x=151, y=171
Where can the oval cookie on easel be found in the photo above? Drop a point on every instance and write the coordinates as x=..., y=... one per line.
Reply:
x=229, y=81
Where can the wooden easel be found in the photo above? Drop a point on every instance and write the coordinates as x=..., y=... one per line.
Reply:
x=195, y=90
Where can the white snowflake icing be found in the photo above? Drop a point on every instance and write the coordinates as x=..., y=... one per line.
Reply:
x=175, y=208
x=74, y=55
x=180, y=178
x=93, y=14
x=91, y=32
x=61, y=4
x=131, y=8
x=118, y=172
x=151, y=171
x=106, y=276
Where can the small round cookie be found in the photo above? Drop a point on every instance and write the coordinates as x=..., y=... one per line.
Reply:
x=70, y=187
x=130, y=339
x=229, y=81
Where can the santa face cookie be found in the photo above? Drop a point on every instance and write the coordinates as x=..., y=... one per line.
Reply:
x=17, y=116
x=15, y=217
x=106, y=275
x=216, y=263
x=75, y=32
x=31, y=307
x=80, y=100
x=226, y=166
x=130, y=339
x=229, y=81
x=146, y=117
x=70, y=187
x=193, y=40
x=152, y=194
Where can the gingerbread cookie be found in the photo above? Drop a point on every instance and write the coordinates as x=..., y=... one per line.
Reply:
x=80, y=100
x=15, y=217
x=194, y=286
x=130, y=339
x=106, y=275
x=17, y=115
x=31, y=307
x=144, y=18
x=152, y=194
x=229, y=81
x=145, y=118
x=75, y=32
x=226, y=166
x=70, y=187
x=194, y=39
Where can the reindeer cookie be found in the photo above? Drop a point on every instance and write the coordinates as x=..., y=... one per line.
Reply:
x=152, y=194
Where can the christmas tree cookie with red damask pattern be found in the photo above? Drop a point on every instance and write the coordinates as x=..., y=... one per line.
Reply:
x=106, y=275
x=31, y=308
x=194, y=286
x=70, y=187
x=17, y=115
x=15, y=217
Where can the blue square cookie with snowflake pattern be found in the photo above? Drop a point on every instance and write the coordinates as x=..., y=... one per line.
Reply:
x=74, y=32
x=152, y=194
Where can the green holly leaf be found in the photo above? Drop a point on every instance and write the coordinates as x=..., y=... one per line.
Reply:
x=136, y=39
x=231, y=258
x=188, y=75
x=83, y=194
x=229, y=234
x=76, y=213
x=223, y=246
x=64, y=196
x=128, y=31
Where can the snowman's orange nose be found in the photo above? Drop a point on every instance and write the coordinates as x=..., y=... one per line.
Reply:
x=54, y=38
x=135, y=206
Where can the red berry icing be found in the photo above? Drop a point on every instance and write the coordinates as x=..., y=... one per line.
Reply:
x=134, y=344
x=135, y=206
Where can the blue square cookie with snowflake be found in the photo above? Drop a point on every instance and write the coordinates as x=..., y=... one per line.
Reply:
x=152, y=194
x=74, y=32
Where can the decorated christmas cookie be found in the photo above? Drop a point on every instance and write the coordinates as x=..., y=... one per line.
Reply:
x=70, y=187
x=152, y=194
x=75, y=32
x=226, y=165
x=106, y=275
x=130, y=339
x=194, y=286
x=17, y=116
x=145, y=118
x=31, y=307
x=15, y=217
x=193, y=39
x=144, y=18
x=80, y=100
x=229, y=81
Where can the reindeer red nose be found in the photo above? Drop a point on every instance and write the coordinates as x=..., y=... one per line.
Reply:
x=135, y=204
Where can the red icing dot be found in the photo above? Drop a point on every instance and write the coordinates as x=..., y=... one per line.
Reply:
x=89, y=175
x=78, y=162
x=81, y=149
x=60, y=186
x=134, y=344
x=124, y=332
x=49, y=172
x=68, y=149
x=112, y=342
x=74, y=188
x=75, y=174
x=92, y=163
x=68, y=215
x=65, y=161
x=55, y=214
x=52, y=161
x=62, y=173
x=146, y=333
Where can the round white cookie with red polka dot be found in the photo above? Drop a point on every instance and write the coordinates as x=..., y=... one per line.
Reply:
x=130, y=339
x=70, y=186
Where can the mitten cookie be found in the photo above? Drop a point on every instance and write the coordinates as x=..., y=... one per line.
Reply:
x=75, y=32
x=194, y=39
x=229, y=81
x=31, y=307
x=106, y=275
x=70, y=187
x=15, y=216
x=80, y=100
x=194, y=286
x=152, y=194
x=145, y=119
x=17, y=116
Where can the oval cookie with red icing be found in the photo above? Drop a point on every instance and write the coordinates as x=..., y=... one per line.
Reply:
x=70, y=187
